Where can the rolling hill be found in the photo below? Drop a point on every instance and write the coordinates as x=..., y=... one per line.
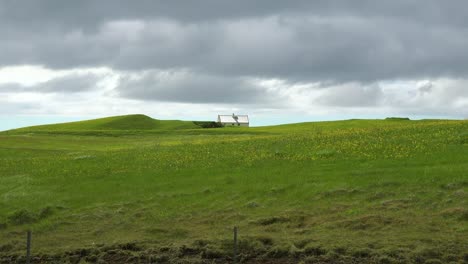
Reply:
x=126, y=122
x=355, y=191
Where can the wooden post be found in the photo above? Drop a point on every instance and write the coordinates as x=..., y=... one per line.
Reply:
x=28, y=248
x=235, y=245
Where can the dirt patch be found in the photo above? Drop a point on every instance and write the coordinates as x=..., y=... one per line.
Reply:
x=367, y=222
x=272, y=220
x=458, y=213
x=454, y=185
x=461, y=194
x=395, y=204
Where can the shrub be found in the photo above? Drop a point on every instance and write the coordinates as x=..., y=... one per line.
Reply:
x=397, y=118
x=22, y=216
x=46, y=212
x=207, y=124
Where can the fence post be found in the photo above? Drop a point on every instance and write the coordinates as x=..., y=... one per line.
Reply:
x=28, y=248
x=235, y=245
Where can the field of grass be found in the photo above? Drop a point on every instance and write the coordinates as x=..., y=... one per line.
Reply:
x=138, y=190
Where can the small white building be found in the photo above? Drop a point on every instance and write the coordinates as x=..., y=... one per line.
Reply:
x=234, y=120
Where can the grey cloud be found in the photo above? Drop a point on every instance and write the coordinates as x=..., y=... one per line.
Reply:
x=425, y=88
x=210, y=51
x=183, y=86
x=352, y=95
x=363, y=41
x=89, y=13
x=71, y=83
x=11, y=88
x=300, y=48
x=445, y=97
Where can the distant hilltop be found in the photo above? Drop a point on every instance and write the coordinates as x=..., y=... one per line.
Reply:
x=115, y=123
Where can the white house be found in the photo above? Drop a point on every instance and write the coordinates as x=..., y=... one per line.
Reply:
x=234, y=120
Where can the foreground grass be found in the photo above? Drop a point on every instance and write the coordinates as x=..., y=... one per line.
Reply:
x=360, y=190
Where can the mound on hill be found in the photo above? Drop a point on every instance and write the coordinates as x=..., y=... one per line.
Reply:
x=115, y=123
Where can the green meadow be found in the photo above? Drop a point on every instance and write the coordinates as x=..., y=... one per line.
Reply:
x=138, y=190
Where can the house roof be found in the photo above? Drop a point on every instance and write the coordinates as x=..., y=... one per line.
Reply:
x=242, y=119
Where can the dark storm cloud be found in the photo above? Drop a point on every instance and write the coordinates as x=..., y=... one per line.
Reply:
x=189, y=87
x=89, y=13
x=69, y=83
x=224, y=43
x=307, y=40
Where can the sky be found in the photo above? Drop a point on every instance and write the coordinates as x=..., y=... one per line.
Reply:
x=277, y=61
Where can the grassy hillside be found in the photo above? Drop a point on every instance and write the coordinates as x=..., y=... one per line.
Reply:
x=357, y=191
x=126, y=122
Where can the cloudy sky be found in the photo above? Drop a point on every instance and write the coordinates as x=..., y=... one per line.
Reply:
x=278, y=61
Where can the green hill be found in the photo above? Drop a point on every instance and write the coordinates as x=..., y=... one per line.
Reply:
x=115, y=123
x=355, y=191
